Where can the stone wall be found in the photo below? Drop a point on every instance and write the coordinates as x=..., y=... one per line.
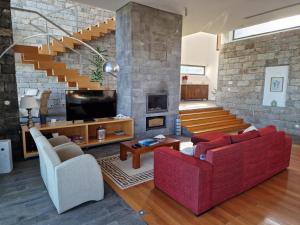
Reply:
x=149, y=54
x=72, y=18
x=241, y=79
x=9, y=119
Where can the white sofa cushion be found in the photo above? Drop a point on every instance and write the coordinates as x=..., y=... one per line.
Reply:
x=188, y=151
x=250, y=129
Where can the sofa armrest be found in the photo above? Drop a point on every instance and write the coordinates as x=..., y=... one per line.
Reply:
x=59, y=140
x=184, y=178
x=68, y=151
x=78, y=180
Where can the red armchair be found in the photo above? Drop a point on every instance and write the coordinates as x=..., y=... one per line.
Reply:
x=227, y=171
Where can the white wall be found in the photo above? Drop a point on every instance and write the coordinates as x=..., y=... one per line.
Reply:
x=200, y=49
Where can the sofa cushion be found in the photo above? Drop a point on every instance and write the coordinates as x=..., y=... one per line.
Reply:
x=244, y=136
x=249, y=129
x=188, y=151
x=206, y=137
x=203, y=147
x=267, y=130
x=45, y=148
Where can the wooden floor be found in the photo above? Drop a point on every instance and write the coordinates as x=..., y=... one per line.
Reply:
x=274, y=202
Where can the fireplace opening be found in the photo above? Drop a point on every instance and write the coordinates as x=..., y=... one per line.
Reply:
x=157, y=103
x=155, y=122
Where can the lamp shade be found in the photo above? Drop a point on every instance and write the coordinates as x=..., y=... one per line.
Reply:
x=111, y=67
x=28, y=102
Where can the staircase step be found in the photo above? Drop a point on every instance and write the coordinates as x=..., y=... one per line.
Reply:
x=199, y=115
x=26, y=61
x=61, y=79
x=82, y=36
x=188, y=111
x=26, y=49
x=72, y=84
x=99, y=31
x=78, y=79
x=59, y=71
x=69, y=42
x=94, y=35
x=36, y=57
x=110, y=25
x=217, y=124
x=47, y=50
x=51, y=65
x=207, y=120
x=228, y=128
x=36, y=67
x=57, y=46
x=89, y=85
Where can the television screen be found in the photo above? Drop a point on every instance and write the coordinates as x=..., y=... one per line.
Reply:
x=89, y=105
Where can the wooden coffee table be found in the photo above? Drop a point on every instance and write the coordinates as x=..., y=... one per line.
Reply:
x=136, y=153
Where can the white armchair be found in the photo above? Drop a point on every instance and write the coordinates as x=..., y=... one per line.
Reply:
x=70, y=176
x=78, y=180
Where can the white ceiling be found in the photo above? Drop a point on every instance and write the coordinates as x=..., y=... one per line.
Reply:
x=213, y=16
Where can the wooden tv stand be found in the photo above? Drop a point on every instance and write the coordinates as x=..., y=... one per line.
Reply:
x=86, y=130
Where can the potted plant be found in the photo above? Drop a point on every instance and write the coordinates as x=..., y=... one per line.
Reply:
x=97, y=66
x=184, y=79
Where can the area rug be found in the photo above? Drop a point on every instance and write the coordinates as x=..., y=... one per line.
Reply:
x=122, y=173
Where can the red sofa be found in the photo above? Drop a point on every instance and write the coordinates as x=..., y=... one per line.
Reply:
x=226, y=172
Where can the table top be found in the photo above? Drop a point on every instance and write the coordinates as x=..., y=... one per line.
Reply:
x=162, y=142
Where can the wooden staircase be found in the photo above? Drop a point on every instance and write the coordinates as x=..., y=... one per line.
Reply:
x=43, y=57
x=198, y=121
x=31, y=55
x=87, y=34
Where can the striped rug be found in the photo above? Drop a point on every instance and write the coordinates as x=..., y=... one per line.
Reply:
x=122, y=173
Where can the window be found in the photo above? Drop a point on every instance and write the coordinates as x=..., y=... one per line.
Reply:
x=269, y=27
x=192, y=70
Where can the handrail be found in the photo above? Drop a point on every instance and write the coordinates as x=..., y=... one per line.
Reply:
x=37, y=35
x=61, y=10
x=53, y=37
x=108, y=67
x=57, y=11
x=44, y=17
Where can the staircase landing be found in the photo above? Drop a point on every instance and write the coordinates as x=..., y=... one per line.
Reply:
x=187, y=105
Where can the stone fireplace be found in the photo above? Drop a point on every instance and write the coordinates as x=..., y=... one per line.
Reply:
x=157, y=103
x=148, y=51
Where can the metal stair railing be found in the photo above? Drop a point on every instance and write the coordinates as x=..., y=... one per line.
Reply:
x=44, y=17
x=75, y=12
x=69, y=35
x=111, y=67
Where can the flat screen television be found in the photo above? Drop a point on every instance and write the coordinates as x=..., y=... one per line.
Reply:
x=88, y=105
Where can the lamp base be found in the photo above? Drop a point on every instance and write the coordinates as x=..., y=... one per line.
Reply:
x=29, y=121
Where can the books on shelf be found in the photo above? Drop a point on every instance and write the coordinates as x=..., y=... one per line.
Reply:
x=148, y=142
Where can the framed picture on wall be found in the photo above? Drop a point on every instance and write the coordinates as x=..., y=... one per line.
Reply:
x=276, y=84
